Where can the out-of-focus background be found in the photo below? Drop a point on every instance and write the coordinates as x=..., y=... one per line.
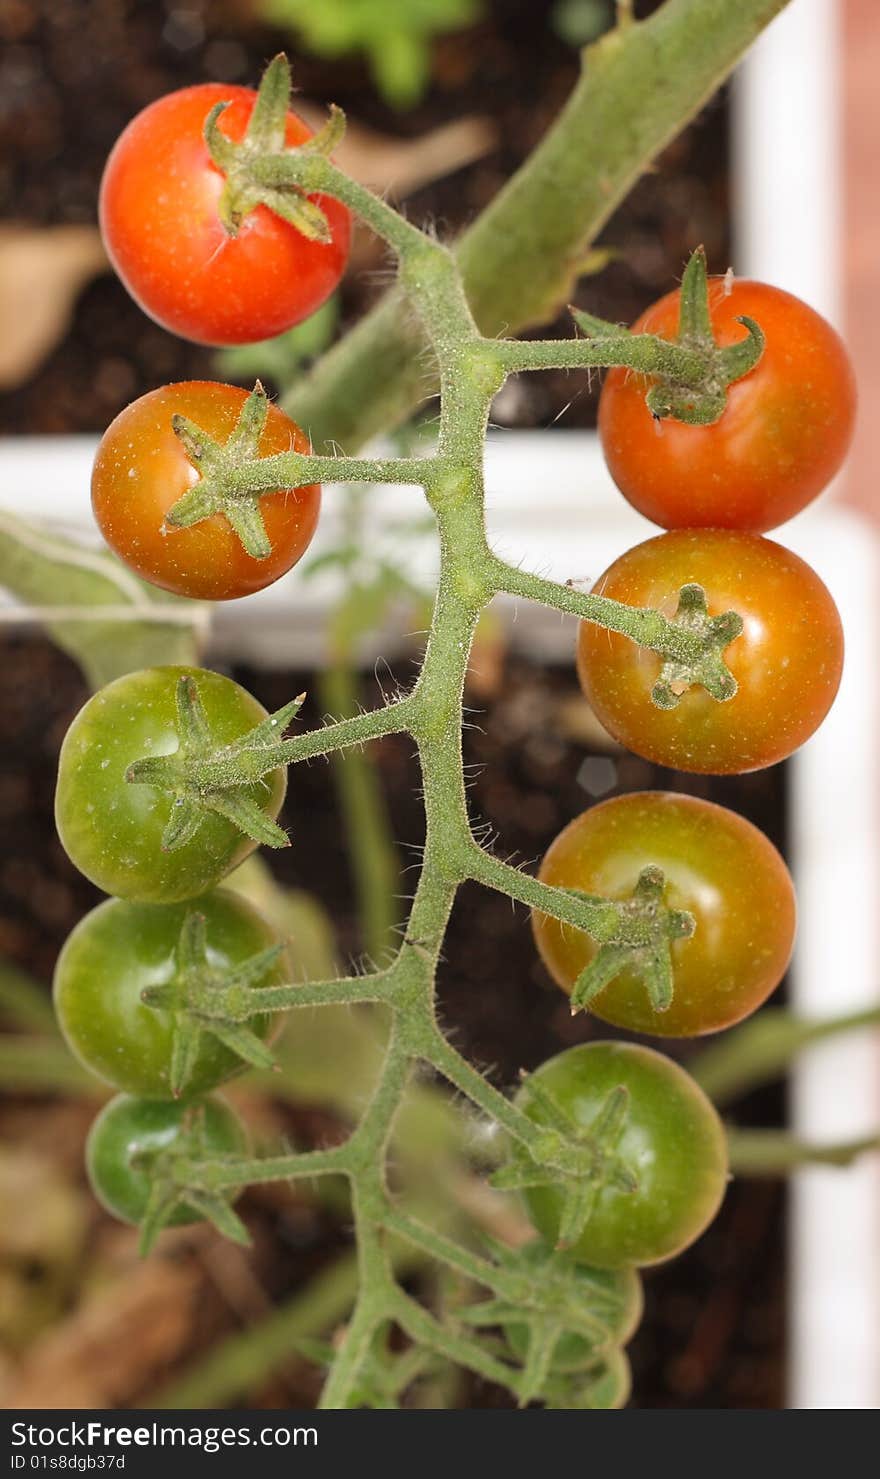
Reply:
x=779, y=1303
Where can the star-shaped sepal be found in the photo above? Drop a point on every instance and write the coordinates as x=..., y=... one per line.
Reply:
x=640, y=940
x=203, y=776
x=558, y=1298
x=579, y=1161
x=205, y=1001
x=180, y=1176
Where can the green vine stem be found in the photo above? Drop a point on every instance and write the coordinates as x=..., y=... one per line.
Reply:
x=765, y=1046
x=371, y=854
x=776, y=1153
x=471, y=370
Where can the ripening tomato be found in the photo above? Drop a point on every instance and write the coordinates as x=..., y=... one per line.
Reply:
x=787, y=661
x=141, y=469
x=164, y=236
x=121, y=948
x=718, y=867
x=783, y=435
x=129, y=1132
x=111, y=829
x=672, y=1142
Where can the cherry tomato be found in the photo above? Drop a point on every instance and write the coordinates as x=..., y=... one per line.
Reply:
x=783, y=435
x=129, y=1131
x=164, y=236
x=787, y=662
x=121, y=948
x=141, y=469
x=605, y=1383
x=673, y=1143
x=575, y=1352
x=718, y=867
x=112, y=830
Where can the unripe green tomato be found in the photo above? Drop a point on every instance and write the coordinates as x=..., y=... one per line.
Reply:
x=128, y=1131
x=672, y=1141
x=574, y=1351
x=120, y=949
x=112, y=829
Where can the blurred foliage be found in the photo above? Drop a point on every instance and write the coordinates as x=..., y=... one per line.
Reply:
x=578, y=22
x=394, y=35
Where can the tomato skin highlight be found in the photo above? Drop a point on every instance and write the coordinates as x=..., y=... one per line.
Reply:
x=673, y=1141
x=718, y=867
x=111, y=830
x=783, y=435
x=128, y=1128
x=121, y=948
x=141, y=470
x=158, y=210
x=787, y=662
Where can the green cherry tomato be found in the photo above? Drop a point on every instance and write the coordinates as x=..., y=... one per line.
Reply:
x=672, y=1142
x=112, y=830
x=605, y=1384
x=575, y=1352
x=129, y=1131
x=120, y=949
x=718, y=867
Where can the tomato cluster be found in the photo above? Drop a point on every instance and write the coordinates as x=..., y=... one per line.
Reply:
x=636, y=1159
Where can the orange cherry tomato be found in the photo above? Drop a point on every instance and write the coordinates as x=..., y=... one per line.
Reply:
x=718, y=867
x=141, y=469
x=783, y=435
x=787, y=662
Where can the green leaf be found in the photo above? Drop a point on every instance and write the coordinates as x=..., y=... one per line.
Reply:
x=144, y=627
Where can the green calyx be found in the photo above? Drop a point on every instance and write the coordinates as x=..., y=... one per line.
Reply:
x=219, y=464
x=204, y=777
x=255, y=168
x=580, y=1161
x=177, y=1179
x=555, y=1298
x=641, y=941
x=205, y=1001
x=692, y=373
x=708, y=668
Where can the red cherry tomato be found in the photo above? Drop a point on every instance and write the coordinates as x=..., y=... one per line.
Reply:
x=141, y=469
x=163, y=233
x=783, y=435
x=787, y=661
x=718, y=867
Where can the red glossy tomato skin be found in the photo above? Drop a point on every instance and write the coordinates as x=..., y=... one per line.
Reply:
x=787, y=662
x=783, y=435
x=673, y=1142
x=160, y=223
x=141, y=469
x=718, y=867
